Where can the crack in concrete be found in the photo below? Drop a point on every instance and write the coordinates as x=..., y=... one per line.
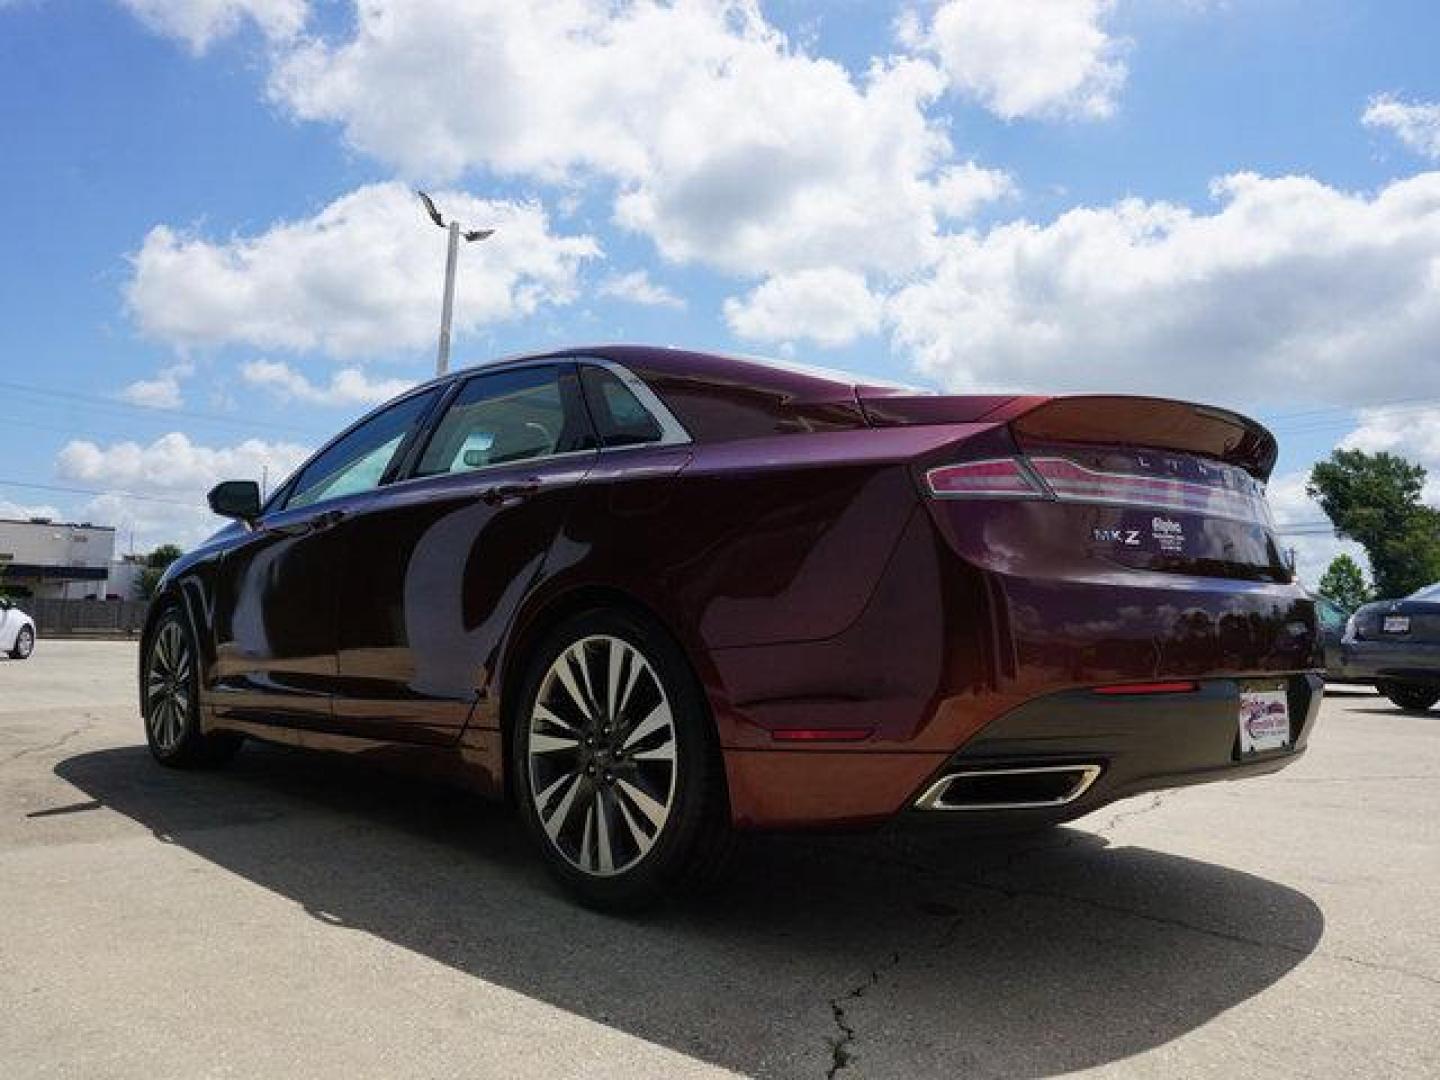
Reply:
x=55, y=745
x=1157, y=800
x=840, y=1046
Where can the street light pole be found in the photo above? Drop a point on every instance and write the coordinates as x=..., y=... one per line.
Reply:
x=452, y=250
x=447, y=308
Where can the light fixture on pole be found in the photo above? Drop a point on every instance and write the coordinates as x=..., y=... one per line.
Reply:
x=447, y=308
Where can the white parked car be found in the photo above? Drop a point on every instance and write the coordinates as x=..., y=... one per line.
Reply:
x=17, y=631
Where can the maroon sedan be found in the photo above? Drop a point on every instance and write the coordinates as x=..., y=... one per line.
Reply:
x=657, y=596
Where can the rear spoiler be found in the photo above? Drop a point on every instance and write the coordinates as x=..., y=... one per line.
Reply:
x=1111, y=419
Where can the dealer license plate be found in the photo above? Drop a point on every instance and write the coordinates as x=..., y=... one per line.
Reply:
x=1396, y=624
x=1264, y=716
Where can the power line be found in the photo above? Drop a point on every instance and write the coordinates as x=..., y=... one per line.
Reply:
x=93, y=491
x=94, y=401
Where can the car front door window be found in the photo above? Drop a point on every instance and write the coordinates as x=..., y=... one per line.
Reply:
x=359, y=460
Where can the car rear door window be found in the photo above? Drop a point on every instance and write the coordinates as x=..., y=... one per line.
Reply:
x=505, y=417
x=620, y=418
x=360, y=459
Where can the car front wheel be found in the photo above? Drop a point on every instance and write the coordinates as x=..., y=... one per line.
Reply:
x=615, y=764
x=171, y=701
x=24, y=644
x=1410, y=698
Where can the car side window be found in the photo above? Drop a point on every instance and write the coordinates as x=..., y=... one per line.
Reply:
x=358, y=461
x=507, y=416
x=620, y=418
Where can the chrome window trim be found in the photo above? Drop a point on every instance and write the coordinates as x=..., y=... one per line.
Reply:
x=672, y=432
x=483, y=469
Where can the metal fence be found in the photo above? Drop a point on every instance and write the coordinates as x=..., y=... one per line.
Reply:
x=61, y=618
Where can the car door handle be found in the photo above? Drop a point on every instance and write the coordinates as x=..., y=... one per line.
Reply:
x=503, y=493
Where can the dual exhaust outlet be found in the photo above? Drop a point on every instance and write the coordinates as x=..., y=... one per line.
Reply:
x=1034, y=787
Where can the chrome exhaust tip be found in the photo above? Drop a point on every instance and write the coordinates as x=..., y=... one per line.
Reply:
x=1034, y=787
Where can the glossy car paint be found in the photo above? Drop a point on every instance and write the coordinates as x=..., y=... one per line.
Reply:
x=787, y=545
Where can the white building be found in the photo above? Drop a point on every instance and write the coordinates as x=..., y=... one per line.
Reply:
x=55, y=559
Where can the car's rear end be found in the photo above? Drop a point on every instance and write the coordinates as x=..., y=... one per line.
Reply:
x=1396, y=644
x=1146, y=628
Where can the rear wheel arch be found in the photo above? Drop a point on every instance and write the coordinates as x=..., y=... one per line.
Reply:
x=536, y=626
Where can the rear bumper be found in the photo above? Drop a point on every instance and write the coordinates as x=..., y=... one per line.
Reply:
x=1140, y=743
x=1400, y=660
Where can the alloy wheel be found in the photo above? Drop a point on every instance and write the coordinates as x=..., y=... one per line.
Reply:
x=25, y=644
x=602, y=755
x=167, y=687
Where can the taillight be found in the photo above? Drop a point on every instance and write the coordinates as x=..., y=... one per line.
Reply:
x=1004, y=478
x=1233, y=494
x=1073, y=482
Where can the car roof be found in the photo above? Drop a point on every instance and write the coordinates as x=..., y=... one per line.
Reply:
x=795, y=380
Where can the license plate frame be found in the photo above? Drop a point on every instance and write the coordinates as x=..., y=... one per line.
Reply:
x=1263, y=716
x=1395, y=624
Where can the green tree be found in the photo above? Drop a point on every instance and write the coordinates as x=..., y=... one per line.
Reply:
x=1374, y=499
x=1344, y=582
x=155, y=565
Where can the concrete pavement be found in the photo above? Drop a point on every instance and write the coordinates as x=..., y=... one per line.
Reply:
x=298, y=916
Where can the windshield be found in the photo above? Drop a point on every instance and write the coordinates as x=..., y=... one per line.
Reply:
x=1430, y=592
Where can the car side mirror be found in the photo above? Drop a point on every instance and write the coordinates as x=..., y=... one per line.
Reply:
x=239, y=499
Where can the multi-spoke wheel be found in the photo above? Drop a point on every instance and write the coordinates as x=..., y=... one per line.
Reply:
x=615, y=763
x=171, y=702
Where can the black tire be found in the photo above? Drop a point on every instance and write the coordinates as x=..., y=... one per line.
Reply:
x=1409, y=697
x=24, y=644
x=170, y=700
x=587, y=790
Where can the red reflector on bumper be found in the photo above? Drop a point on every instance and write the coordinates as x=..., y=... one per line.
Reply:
x=843, y=734
x=1149, y=688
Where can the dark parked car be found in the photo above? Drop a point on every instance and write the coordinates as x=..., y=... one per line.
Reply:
x=1396, y=645
x=657, y=596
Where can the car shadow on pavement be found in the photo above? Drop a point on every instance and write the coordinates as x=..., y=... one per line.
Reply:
x=896, y=952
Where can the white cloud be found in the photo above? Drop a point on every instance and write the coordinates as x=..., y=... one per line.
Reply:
x=828, y=306
x=15, y=511
x=348, y=386
x=636, y=287
x=200, y=23
x=362, y=276
x=1290, y=288
x=161, y=392
x=1028, y=58
x=1416, y=124
x=172, y=475
x=173, y=464
x=723, y=142
x=1412, y=433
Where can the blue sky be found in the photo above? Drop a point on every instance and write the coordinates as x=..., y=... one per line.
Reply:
x=961, y=193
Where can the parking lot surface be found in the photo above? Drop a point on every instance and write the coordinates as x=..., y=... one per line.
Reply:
x=300, y=916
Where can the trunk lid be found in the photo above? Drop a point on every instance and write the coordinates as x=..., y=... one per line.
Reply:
x=1143, y=483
